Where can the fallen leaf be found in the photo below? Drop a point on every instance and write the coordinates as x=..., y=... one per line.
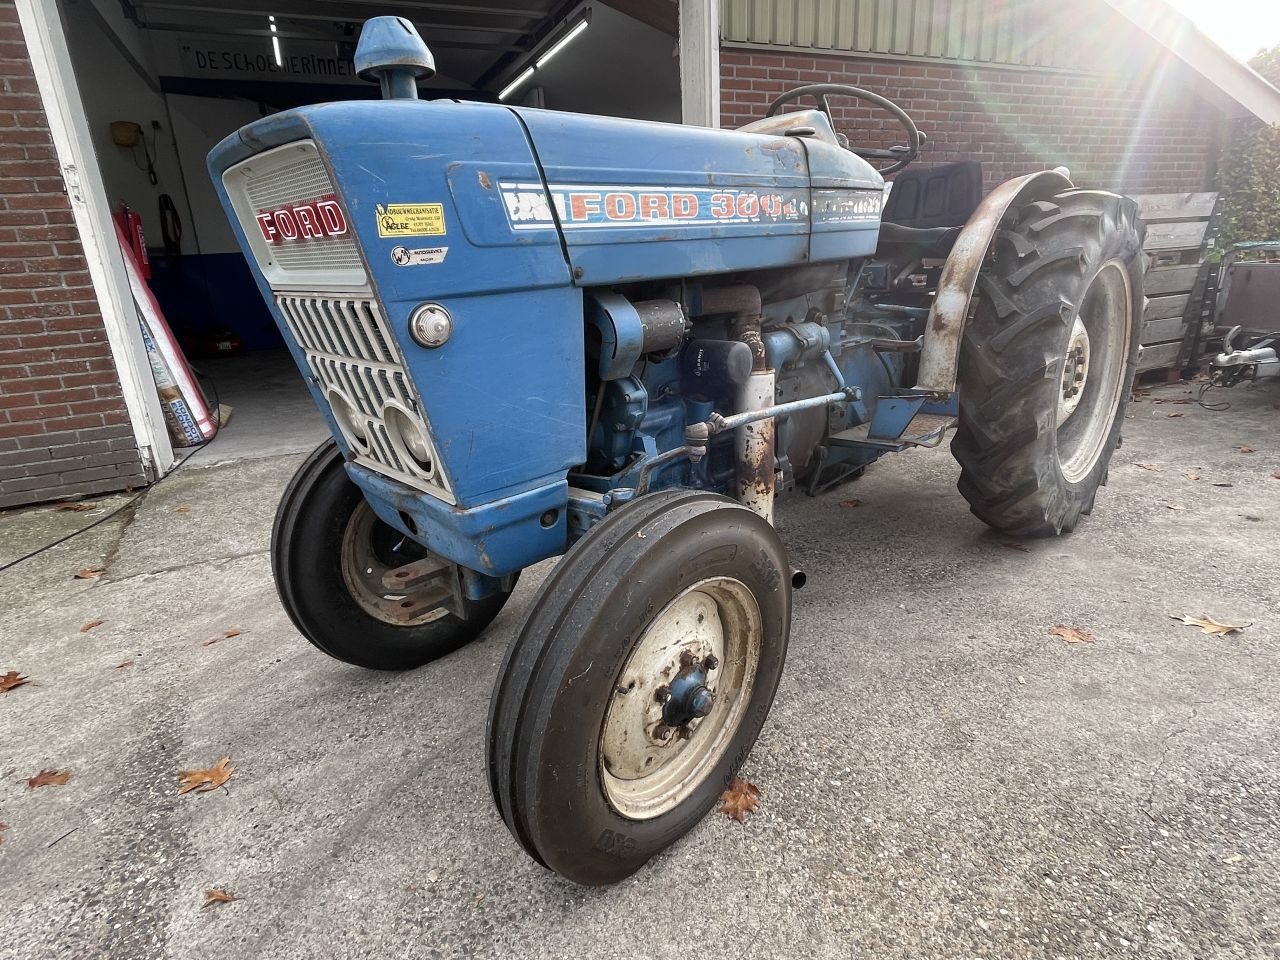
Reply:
x=3, y=828
x=1246, y=449
x=181, y=509
x=218, y=896
x=122, y=666
x=1178, y=413
x=226, y=635
x=90, y=573
x=1209, y=625
x=1192, y=476
x=91, y=624
x=202, y=781
x=854, y=502
x=1020, y=547
x=48, y=778
x=12, y=680
x=1175, y=400
x=75, y=507
x=1224, y=483
x=1174, y=506
x=1072, y=634
x=1147, y=466
x=1276, y=475
x=741, y=798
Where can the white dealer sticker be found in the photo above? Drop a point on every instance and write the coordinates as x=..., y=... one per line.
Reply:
x=413, y=256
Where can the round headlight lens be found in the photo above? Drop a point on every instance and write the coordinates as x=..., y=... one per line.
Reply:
x=410, y=441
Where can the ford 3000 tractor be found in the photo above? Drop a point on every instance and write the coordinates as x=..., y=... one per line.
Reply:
x=536, y=333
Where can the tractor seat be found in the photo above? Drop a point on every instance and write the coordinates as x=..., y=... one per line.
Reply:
x=917, y=243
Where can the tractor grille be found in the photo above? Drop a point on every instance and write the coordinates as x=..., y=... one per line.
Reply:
x=357, y=366
x=281, y=179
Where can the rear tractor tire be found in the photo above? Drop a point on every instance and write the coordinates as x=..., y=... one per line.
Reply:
x=639, y=683
x=1048, y=361
x=329, y=552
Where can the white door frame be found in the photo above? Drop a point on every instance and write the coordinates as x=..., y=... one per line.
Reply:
x=700, y=62
x=51, y=63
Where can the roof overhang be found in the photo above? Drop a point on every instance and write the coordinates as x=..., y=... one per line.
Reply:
x=1179, y=35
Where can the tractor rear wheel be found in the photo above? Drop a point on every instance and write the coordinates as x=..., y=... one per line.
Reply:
x=639, y=683
x=1048, y=361
x=329, y=552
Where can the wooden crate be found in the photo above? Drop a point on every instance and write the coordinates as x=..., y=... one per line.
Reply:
x=1182, y=230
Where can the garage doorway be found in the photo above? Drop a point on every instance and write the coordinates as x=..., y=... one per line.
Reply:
x=162, y=81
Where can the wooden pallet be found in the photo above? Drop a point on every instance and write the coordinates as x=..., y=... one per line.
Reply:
x=1182, y=230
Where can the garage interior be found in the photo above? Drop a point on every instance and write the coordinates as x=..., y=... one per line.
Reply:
x=162, y=81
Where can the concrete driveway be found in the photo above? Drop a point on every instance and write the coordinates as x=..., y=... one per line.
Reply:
x=940, y=777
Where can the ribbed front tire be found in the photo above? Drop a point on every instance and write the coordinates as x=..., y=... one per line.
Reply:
x=1048, y=361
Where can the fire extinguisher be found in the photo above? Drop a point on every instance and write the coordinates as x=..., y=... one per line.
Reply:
x=131, y=225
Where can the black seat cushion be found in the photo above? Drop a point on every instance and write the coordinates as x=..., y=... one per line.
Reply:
x=944, y=196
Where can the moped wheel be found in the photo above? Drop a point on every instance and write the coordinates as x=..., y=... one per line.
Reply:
x=639, y=683
x=329, y=554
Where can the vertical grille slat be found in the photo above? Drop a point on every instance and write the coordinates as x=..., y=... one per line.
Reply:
x=350, y=351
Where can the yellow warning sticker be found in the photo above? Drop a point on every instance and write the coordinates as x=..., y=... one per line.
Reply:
x=410, y=219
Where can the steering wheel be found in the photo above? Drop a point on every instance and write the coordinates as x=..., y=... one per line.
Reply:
x=900, y=155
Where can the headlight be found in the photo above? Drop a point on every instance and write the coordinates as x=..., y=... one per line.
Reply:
x=350, y=421
x=409, y=439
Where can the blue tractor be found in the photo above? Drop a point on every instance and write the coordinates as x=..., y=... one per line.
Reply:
x=536, y=333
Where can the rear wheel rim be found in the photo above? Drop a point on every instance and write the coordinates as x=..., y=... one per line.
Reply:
x=1091, y=373
x=716, y=623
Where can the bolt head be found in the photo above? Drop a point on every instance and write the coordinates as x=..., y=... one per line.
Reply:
x=702, y=701
x=711, y=662
x=662, y=694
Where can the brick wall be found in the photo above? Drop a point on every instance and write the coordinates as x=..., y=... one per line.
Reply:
x=1147, y=131
x=63, y=426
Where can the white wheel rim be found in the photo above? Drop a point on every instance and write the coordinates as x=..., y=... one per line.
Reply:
x=643, y=774
x=1098, y=350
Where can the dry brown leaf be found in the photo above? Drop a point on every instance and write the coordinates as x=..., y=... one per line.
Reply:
x=90, y=573
x=75, y=507
x=1174, y=400
x=48, y=778
x=851, y=503
x=1177, y=413
x=1276, y=475
x=741, y=798
x=202, y=781
x=1223, y=483
x=1192, y=476
x=226, y=635
x=91, y=624
x=12, y=680
x=1247, y=449
x=125, y=665
x=1174, y=506
x=181, y=509
x=233, y=632
x=1072, y=634
x=1147, y=466
x=218, y=896
x=1020, y=547
x=1209, y=625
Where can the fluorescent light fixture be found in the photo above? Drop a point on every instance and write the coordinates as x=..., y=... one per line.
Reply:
x=510, y=87
x=275, y=45
x=563, y=42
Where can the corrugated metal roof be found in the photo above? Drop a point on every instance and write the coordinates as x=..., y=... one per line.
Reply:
x=1016, y=32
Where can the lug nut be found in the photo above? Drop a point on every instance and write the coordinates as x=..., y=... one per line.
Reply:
x=711, y=662
x=662, y=694
x=662, y=732
x=701, y=702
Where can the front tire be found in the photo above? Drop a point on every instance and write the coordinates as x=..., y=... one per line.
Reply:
x=328, y=553
x=1048, y=361
x=639, y=683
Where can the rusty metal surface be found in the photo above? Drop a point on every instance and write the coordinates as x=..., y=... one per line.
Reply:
x=945, y=328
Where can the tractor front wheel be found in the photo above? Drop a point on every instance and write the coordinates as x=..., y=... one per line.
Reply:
x=640, y=681
x=1048, y=361
x=329, y=555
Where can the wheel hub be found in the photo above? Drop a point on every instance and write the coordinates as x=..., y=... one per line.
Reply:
x=679, y=697
x=1075, y=371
